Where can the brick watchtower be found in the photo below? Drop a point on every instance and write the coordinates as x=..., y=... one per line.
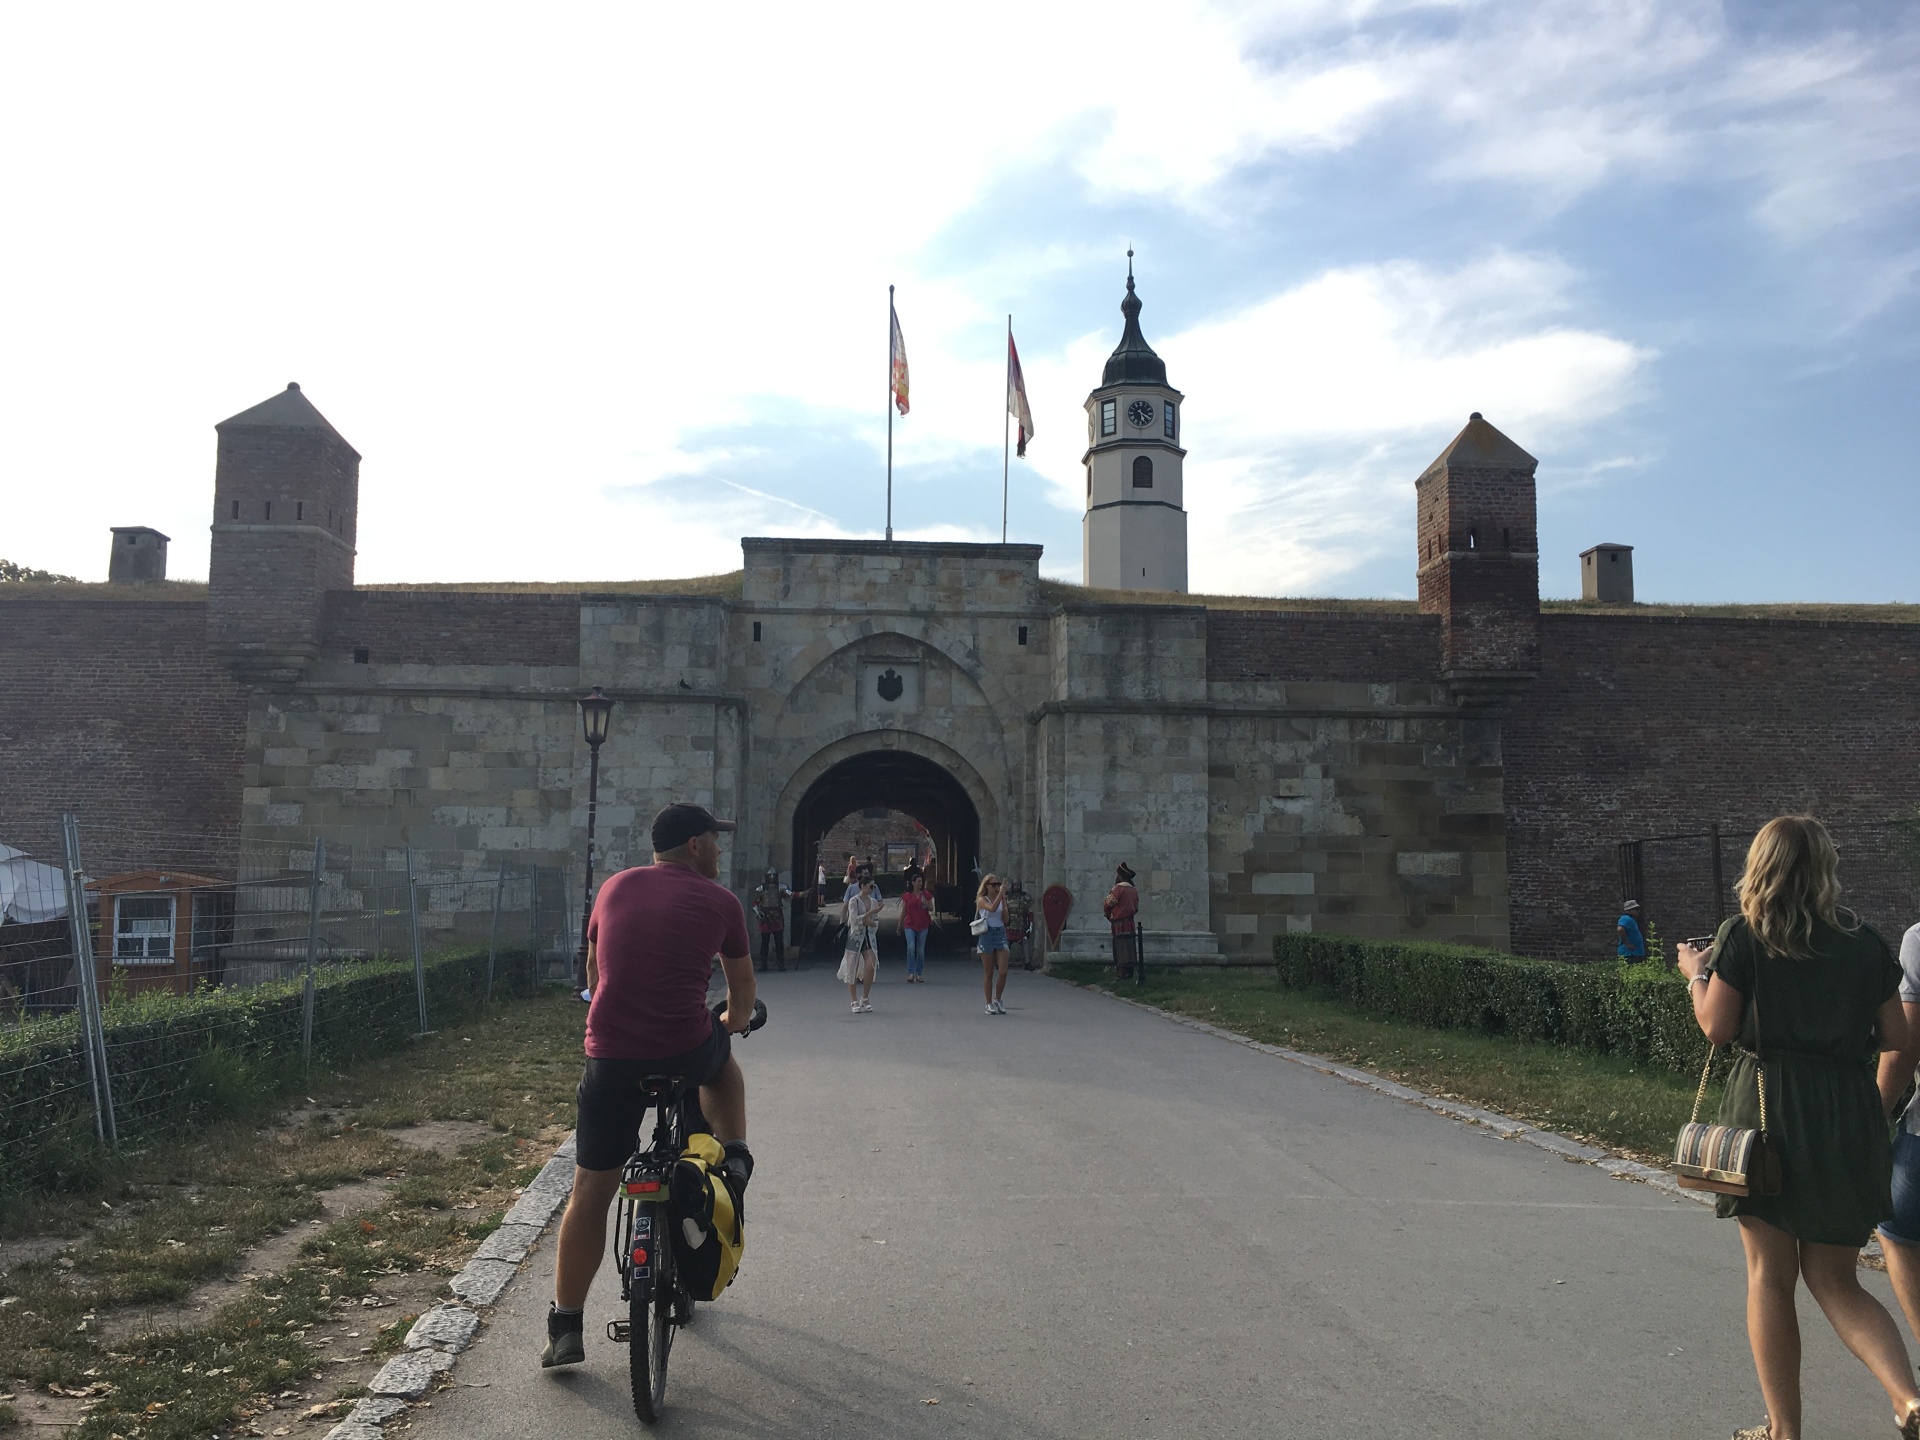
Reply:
x=1480, y=564
x=286, y=492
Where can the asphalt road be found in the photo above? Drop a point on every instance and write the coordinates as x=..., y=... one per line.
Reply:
x=1081, y=1219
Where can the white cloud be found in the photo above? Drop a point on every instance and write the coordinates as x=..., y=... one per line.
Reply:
x=521, y=257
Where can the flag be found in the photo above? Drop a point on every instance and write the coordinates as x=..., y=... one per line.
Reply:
x=1017, y=395
x=898, y=383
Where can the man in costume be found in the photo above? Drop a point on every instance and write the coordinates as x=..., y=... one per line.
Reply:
x=770, y=909
x=1120, y=907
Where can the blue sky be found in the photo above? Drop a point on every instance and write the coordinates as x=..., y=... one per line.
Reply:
x=597, y=292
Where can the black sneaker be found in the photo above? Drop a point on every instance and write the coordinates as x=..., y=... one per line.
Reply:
x=566, y=1341
x=737, y=1169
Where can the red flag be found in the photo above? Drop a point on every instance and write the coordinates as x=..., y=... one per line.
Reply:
x=899, y=381
x=1017, y=396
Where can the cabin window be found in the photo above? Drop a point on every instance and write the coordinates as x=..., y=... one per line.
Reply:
x=143, y=930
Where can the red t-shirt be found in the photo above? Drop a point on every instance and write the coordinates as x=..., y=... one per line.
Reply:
x=913, y=912
x=655, y=930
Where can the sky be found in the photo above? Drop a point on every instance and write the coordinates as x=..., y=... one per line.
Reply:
x=597, y=290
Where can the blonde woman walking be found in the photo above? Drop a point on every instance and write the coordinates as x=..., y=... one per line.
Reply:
x=1798, y=980
x=862, y=956
x=990, y=906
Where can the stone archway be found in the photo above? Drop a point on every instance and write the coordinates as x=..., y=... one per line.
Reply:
x=901, y=771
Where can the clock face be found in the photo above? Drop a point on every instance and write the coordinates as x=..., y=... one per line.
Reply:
x=1140, y=413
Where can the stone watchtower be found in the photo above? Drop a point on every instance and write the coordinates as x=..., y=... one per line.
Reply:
x=1134, y=533
x=1480, y=563
x=286, y=495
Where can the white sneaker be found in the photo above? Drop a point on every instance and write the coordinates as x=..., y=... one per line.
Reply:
x=990, y=1009
x=999, y=1007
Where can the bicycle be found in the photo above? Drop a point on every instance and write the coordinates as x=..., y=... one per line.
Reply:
x=650, y=1285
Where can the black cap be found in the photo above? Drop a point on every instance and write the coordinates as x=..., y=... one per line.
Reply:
x=1124, y=872
x=680, y=822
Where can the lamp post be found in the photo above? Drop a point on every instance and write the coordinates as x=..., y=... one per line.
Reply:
x=596, y=710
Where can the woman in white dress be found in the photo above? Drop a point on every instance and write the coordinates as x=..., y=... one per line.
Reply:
x=862, y=957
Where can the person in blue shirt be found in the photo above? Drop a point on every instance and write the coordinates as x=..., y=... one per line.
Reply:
x=1633, y=945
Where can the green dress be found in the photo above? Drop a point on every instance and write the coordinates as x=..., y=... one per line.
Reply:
x=1823, y=1108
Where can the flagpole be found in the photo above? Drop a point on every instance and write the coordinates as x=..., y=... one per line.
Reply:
x=890, y=325
x=1006, y=411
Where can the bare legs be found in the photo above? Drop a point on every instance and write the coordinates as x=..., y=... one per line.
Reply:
x=583, y=1229
x=993, y=974
x=859, y=988
x=1775, y=1262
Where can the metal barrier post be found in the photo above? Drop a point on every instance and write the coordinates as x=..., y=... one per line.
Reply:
x=313, y=944
x=493, y=937
x=413, y=923
x=92, y=1025
x=1719, y=878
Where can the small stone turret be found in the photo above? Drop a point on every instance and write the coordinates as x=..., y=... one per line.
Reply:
x=139, y=555
x=1480, y=563
x=286, y=494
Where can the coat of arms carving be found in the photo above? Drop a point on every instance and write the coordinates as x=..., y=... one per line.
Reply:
x=890, y=684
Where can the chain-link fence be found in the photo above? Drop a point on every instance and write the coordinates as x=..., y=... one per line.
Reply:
x=1686, y=883
x=148, y=977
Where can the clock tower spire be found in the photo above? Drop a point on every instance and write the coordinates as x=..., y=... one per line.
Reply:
x=1134, y=532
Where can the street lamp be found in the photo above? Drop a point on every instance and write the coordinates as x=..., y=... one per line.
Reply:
x=596, y=710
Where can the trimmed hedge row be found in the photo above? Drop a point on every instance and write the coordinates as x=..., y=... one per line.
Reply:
x=1640, y=1011
x=177, y=1062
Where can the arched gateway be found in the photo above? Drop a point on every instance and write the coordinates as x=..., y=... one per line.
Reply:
x=900, y=771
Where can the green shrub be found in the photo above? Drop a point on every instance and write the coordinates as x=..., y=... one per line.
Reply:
x=1642, y=1011
x=177, y=1062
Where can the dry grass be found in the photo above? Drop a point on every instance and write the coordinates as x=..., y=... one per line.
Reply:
x=1885, y=614
x=100, y=590
x=186, y=1214
x=1061, y=592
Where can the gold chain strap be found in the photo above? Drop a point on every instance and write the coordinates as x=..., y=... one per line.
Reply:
x=1700, y=1095
x=1760, y=1078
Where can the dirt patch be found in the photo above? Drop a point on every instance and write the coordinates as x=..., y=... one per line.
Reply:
x=443, y=1137
x=34, y=1247
x=42, y=1416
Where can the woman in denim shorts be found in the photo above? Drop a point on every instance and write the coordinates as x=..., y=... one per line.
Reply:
x=990, y=905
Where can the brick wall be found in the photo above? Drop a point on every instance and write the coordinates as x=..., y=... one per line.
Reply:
x=1648, y=725
x=415, y=627
x=114, y=709
x=1320, y=645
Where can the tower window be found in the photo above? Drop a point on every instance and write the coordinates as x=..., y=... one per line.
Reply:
x=269, y=509
x=1142, y=473
x=1166, y=412
x=236, y=509
x=360, y=656
x=1109, y=416
x=299, y=509
x=1089, y=480
x=756, y=629
x=1473, y=539
x=1506, y=538
x=1023, y=634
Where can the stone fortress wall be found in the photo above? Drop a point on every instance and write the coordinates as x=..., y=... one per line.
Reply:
x=1365, y=768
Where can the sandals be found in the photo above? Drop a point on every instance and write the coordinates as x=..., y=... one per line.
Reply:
x=1911, y=1429
x=1762, y=1431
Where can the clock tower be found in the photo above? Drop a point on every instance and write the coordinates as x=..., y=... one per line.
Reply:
x=1134, y=533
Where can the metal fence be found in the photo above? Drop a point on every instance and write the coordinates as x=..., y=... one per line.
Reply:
x=1686, y=883
x=139, y=970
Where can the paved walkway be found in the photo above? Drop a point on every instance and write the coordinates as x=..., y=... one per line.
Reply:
x=1082, y=1220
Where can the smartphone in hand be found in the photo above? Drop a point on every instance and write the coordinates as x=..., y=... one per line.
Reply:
x=1699, y=942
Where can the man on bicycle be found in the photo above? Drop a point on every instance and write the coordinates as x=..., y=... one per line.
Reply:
x=650, y=946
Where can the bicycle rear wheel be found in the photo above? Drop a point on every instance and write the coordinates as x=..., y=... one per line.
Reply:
x=650, y=1313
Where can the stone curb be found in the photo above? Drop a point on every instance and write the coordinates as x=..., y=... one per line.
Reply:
x=447, y=1329
x=1504, y=1126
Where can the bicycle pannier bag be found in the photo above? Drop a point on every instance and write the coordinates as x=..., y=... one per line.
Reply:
x=704, y=1219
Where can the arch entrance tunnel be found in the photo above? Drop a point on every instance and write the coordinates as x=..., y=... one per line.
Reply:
x=882, y=781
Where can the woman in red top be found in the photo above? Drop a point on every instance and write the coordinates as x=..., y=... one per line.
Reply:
x=916, y=919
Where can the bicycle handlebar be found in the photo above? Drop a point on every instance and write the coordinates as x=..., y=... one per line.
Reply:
x=719, y=1008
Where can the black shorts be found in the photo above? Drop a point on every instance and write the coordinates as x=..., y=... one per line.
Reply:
x=612, y=1105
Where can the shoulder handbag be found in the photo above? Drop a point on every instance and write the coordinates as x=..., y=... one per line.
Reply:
x=1721, y=1158
x=978, y=926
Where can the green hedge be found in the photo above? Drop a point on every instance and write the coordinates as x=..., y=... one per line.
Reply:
x=177, y=1062
x=1639, y=1011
